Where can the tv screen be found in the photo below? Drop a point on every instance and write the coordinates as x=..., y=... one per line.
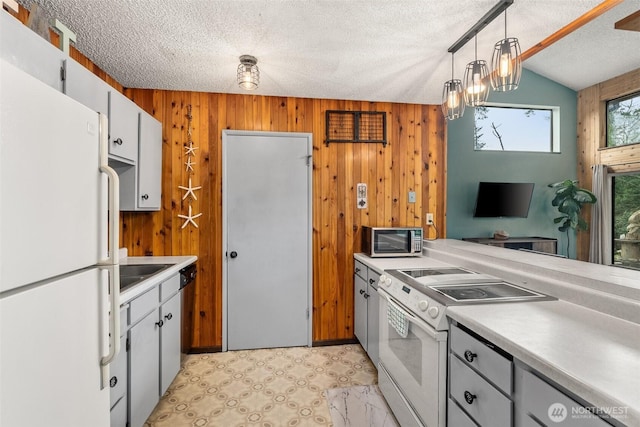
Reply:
x=503, y=199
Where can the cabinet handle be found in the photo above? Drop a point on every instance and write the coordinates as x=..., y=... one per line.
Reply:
x=160, y=323
x=113, y=381
x=169, y=316
x=469, y=356
x=371, y=281
x=357, y=270
x=117, y=141
x=469, y=397
x=361, y=291
x=145, y=196
x=366, y=296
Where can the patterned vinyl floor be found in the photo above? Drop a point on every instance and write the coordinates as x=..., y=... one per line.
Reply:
x=279, y=387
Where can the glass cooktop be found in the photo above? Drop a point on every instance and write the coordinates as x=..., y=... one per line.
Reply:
x=486, y=292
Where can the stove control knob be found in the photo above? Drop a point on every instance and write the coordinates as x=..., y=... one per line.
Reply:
x=433, y=312
x=384, y=280
x=423, y=305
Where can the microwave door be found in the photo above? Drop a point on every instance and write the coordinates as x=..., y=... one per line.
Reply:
x=392, y=242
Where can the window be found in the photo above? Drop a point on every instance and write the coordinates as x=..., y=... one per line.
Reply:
x=516, y=128
x=623, y=121
x=626, y=220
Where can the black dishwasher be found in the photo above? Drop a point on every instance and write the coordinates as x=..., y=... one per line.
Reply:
x=187, y=294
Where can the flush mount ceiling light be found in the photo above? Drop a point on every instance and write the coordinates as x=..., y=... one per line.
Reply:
x=248, y=72
x=506, y=63
x=476, y=81
x=452, y=97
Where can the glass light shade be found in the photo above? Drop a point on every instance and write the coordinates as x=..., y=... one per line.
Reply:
x=476, y=83
x=453, y=99
x=506, y=65
x=248, y=73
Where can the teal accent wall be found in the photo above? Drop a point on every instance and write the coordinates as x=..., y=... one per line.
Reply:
x=466, y=167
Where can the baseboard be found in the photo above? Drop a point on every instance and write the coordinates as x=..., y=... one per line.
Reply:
x=335, y=342
x=199, y=350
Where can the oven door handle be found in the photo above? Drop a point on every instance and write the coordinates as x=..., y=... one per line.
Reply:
x=411, y=318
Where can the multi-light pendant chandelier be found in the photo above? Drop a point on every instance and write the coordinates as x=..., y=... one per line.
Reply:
x=506, y=68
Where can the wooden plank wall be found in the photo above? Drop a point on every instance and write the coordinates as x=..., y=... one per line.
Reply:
x=592, y=138
x=414, y=160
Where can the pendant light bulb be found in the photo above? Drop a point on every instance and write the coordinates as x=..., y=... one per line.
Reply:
x=476, y=90
x=248, y=75
x=452, y=97
x=506, y=63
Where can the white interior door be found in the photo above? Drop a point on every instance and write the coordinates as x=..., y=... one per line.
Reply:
x=267, y=229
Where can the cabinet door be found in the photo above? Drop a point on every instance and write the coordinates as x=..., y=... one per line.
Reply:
x=85, y=87
x=29, y=52
x=373, y=335
x=170, y=314
x=144, y=365
x=123, y=128
x=360, y=310
x=118, y=372
x=119, y=413
x=149, y=163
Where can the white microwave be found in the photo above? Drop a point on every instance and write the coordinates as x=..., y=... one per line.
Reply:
x=392, y=241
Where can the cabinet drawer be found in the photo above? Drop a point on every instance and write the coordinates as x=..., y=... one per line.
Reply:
x=489, y=407
x=475, y=353
x=144, y=304
x=118, y=374
x=169, y=287
x=373, y=278
x=538, y=397
x=124, y=319
x=456, y=416
x=360, y=269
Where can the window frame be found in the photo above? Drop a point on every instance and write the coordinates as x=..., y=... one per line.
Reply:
x=628, y=96
x=555, y=126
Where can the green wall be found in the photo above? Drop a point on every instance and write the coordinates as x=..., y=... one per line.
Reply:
x=466, y=167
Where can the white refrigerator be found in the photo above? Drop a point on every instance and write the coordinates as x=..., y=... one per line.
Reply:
x=59, y=269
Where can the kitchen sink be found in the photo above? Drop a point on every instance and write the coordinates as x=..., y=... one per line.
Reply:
x=132, y=274
x=141, y=269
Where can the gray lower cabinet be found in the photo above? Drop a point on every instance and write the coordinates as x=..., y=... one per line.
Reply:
x=366, y=302
x=144, y=366
x=488, y=387
x=150, y=353
x=170, y=314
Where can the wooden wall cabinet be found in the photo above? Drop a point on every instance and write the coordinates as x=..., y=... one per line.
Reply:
x=537, y=244
x=366, y=305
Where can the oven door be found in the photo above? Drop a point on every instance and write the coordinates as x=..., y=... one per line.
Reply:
x=413, y=359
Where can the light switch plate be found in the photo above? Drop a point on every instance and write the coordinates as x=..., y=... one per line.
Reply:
x=412, y=196
x=361, y=196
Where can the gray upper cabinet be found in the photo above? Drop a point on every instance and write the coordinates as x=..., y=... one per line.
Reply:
x=31, y=53
x=85, y=87
x=123, y=128
x=149, y=163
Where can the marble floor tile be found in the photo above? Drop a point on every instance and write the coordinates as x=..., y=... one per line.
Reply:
x=359, y=406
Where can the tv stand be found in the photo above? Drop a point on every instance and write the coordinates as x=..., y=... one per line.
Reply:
x=536, y=244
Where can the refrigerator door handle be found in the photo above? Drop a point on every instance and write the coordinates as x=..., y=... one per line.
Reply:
x=112, y=258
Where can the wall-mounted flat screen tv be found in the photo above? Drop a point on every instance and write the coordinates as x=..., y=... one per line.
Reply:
x=503, y=199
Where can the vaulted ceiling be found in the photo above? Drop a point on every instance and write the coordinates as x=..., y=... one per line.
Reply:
x=376, y=50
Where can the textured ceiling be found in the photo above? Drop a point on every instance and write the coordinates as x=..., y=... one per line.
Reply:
x=376, y=50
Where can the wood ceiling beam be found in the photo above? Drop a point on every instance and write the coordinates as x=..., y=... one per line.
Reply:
x=597, y=11
x=630, y=23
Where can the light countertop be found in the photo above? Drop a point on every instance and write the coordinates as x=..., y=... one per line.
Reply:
x=178, y=263
x=594, y=355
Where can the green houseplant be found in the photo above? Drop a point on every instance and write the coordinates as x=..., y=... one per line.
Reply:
x=569, y=199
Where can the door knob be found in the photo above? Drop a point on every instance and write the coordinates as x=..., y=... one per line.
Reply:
x=233, y=254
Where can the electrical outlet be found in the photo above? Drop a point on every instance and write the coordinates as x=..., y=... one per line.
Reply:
x=429, y=219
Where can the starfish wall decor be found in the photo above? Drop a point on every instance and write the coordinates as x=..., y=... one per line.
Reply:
x=190, y=152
